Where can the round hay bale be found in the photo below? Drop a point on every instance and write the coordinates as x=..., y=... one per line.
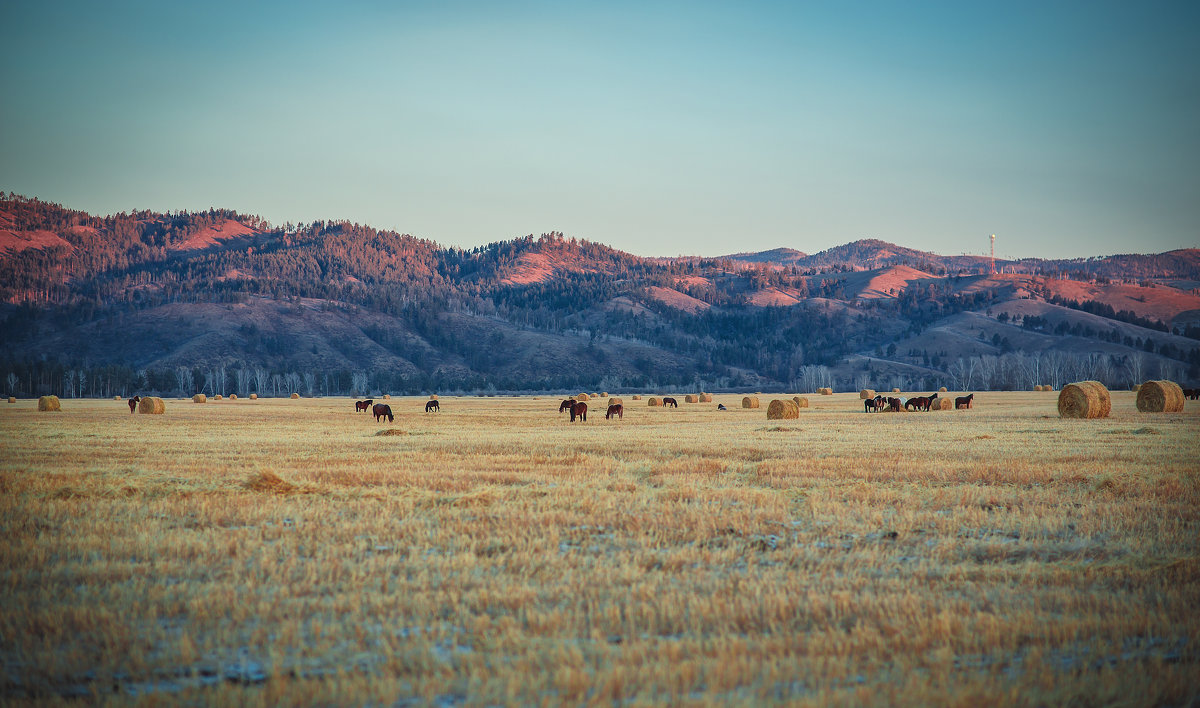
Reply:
x=801, y=401
x=596, y=395
x=941, y=404
x=152, y=405
x=295, y=395
x=218, y=397
x=254, y=397
x=895, y=390
x=750, y=402
x=825, y=391
x=691, y=398
x=942, y=389
x=233, y=396
x=1160, y=397
x=583, y=397
x=706, y=398
x=387, y=396
x=1084, y=399
x=615, y=402
x=636, y=397
x=12, y=399
x=652, y=401
x=116, y=398
x=199, y=398
x=866, y=393
x=604, y=394
x=780, y=410
x=49, y=403
x=433, y=396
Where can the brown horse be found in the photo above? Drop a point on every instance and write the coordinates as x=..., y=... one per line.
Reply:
x=433, y=406
x=578, y=409
x=566, y=405
x=380, y=410
x=615, y=409
x=670, y=402
x=873, y=404
x=920, y=403
x=133, y=404
x=363, y=405
x=894, y=404
x=963, y=401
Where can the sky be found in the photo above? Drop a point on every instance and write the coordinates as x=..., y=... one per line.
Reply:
x=659, y=128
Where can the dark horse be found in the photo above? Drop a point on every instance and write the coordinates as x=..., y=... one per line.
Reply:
x=963, y=401
x=670, y=402
x=433, y=406
x=894, y=404
x=133, y=403
x=578, y=409
x=615, y=409
x=380, y=410
x=566, y=405
x=363, y=405
x=873, y=404
x=920, y=403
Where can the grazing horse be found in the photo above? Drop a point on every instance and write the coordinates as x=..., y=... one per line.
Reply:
x=894, y=404
x=670, y=402
x=873, y=404
x=566, y=405
x=615, y=409
x=133, y=403
x=363, y=405
x=920, y=403
x=433, y=406
x=963, y=401
x=578, y=409
x=380, y=410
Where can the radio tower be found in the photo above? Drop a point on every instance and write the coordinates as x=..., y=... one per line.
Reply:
x=992, y=259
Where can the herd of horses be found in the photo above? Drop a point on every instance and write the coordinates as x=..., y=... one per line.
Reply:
x=916, y=403
x=1192, y=393
x=383, y=410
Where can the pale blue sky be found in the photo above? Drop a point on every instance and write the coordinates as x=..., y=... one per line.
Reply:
x=659, y=128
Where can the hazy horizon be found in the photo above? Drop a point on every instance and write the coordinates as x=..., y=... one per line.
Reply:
x=661, y=130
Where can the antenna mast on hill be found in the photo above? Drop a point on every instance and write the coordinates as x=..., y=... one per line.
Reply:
x=992, y=259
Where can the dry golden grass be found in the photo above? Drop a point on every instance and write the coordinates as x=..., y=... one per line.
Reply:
x=284, y=553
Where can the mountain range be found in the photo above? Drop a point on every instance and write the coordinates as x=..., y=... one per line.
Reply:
x=137, y=300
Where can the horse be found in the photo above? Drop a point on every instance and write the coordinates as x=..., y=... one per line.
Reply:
x=721, y=407
x=873, y=404
x=363, y=405
x=433, y=406
x=133, y=404
x=566, y=405
x=379, y=410
x=615, y=409
x=894, y=404
x=963, y=401
x=920, y=403
x=578, y=408
x=670, y=402
x=929, y=402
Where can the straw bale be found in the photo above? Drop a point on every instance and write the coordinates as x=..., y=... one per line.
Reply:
x=1084, y=399
x=49, y=403
x=780, y=410
x=1160, y=397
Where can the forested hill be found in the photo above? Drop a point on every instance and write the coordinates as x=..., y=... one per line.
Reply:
x=138, y=300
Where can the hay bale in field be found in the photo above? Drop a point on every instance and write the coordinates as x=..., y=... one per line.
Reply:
x=866, y=393
x=895, y=390
x=49, y=403
x=12, y=399
x=116, y=398
x=652, y=401
x=595, y=395
x=942, y=389
x=233, y=396
x=636, y=397
x=254, y=397
x=604, y=394
x=1160, y=397
x=295, y=395
x=1084, y=399
x=387, y=396
x=152, y=405
x=433, y=396
x=614, y=401
x=750, y=402
x=801, y=401
x=199, y=398
x=1135, y=388
x=583, y=397
x=706, y=398
x=941, y=404
x=218, y=397
x=825, y=391
x=691, y=398
x=780, y=410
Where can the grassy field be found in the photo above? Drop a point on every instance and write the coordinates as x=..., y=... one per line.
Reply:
x=282, y=552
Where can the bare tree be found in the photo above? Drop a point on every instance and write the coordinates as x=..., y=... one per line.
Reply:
x=12, y=381
x=261, y=379
x=291, y=382
x=1136, y=364
x=358, y=383
x=276, y=384
x=69, y=383
x=310, y=383
x=242, y=377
